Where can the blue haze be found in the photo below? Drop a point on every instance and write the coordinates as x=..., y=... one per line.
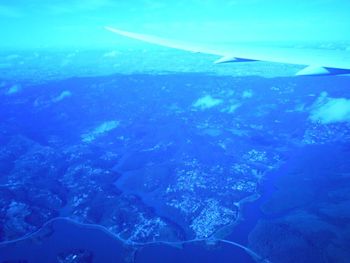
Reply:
x=79, y=23
x=118, y=151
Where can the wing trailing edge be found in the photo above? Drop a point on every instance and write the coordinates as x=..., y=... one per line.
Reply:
x=229, y=59
x=317, y=61
x=321, y=71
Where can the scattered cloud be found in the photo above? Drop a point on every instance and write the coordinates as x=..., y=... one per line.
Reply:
x=328, y=110
x=207, y=102
x=14, y=89
x=99, y=131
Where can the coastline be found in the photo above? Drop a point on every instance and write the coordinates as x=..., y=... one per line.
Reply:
x=128, y=243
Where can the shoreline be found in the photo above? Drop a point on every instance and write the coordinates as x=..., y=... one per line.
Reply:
x=208, y=241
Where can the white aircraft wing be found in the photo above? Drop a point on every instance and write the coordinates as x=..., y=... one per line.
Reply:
x=317, y=61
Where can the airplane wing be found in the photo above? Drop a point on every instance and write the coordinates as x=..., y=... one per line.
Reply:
x=316, y=61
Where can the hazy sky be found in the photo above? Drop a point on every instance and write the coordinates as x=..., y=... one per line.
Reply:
x=40, y=23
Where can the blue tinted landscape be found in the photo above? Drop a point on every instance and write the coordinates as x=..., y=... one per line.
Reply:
x=141, y=154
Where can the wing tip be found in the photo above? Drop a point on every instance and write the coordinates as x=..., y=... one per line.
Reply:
x=321, y=71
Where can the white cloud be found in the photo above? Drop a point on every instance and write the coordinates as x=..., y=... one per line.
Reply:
x=247, y=94
x=232, y=108
x=330, y=110
x=63, y=95
x=99, y=130
x=14, y=89
x=206, y=102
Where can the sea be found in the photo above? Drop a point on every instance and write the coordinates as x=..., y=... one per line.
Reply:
x=156, y=156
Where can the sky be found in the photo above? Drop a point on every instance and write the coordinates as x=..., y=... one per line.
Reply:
x=80, y=23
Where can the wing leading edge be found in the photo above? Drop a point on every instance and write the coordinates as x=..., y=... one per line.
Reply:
x=317, y=61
